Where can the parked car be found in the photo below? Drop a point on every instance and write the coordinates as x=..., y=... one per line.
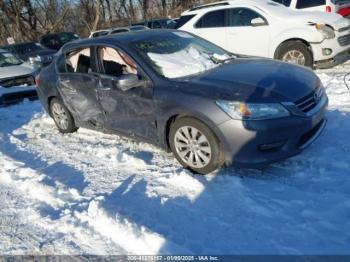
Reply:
x=186, y=95
x=16, y=79
x=158, y=23
x=118, y=30
x=269, y=29
x=31, y=52
x=57, y=40
x=341, y=7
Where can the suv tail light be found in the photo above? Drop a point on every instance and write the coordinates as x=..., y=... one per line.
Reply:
x=328, y=9
x=37, y=80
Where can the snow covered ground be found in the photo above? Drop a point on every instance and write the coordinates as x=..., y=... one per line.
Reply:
x=92, y=193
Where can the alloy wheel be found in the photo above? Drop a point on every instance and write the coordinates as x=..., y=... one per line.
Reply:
x=60, y=116
x=294, y=57
x=193, y=147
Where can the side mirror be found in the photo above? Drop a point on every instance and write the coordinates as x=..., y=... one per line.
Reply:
x=126, y=82
x=258, y=22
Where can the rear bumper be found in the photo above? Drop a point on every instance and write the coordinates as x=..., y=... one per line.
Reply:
x=255, y=144
x=17, y=94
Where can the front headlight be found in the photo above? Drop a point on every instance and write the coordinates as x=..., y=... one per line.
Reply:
x=326, y=31
x=35, y=59
x=252, y=111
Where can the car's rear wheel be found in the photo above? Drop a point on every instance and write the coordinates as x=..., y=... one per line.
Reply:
x=295, y=52
x=62, y=117
x=195, y=146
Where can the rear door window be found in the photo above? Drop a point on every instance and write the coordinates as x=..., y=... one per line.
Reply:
x=79, y=61
x=212, y=19
x=309, y=3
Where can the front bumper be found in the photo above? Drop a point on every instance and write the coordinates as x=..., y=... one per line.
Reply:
x=17, y=94
x=337, y=60
x=255, y=144
x=340, y=53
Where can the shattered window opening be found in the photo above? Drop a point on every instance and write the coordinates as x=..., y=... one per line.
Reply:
x=115, y=62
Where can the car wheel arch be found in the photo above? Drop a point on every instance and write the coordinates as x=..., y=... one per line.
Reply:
x=171, y=119
x=306, y=43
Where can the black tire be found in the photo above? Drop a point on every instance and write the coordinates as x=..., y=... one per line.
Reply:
x=298, y=46
x=70, y=127
x=217, y=153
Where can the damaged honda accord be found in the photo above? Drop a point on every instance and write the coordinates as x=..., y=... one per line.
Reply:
x=186, y=95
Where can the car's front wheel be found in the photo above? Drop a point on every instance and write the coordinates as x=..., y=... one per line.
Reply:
x=295, y=52
x=195, y=146
x=62, y=117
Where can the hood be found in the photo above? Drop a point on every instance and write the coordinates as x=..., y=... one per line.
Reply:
x=14, y=71
x=295, y=16
x=41, y=53
x=302, y=17
x=254, y=80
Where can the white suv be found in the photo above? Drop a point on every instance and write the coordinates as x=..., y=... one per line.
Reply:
x=269, y=29
x=330, y=6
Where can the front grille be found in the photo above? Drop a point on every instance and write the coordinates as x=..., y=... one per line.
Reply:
x=17, y=81
x=344, y=40
x=309, y=102
x=344, y=29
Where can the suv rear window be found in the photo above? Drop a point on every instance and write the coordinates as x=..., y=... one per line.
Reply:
x=183, y=20
x=283, y=2
x=309, y=3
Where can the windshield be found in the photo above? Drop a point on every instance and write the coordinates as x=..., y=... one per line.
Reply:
x=8, y=59
x=179, y=54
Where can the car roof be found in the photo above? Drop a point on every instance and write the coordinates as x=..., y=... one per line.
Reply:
x=122, y=38
x=270, y=7
x=52, y=34
x=261, y=4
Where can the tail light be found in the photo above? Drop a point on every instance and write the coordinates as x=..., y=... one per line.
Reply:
x=328, y=9
x=37, y=80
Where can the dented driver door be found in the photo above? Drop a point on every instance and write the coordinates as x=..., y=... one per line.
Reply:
x=130, y=112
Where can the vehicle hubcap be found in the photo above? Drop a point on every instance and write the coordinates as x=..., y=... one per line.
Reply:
x=60, y=116
x=192, y=146
x=294, y=57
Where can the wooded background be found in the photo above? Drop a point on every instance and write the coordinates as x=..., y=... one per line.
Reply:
x=27, y=20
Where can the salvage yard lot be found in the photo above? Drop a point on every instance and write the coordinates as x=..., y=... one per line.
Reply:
x=93, y=193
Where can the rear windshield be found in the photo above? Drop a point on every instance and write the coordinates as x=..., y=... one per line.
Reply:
x=27, y=48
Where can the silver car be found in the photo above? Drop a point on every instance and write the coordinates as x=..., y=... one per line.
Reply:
x=17, y=79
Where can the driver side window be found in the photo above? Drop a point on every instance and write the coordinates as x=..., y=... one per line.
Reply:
x=115, y=63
